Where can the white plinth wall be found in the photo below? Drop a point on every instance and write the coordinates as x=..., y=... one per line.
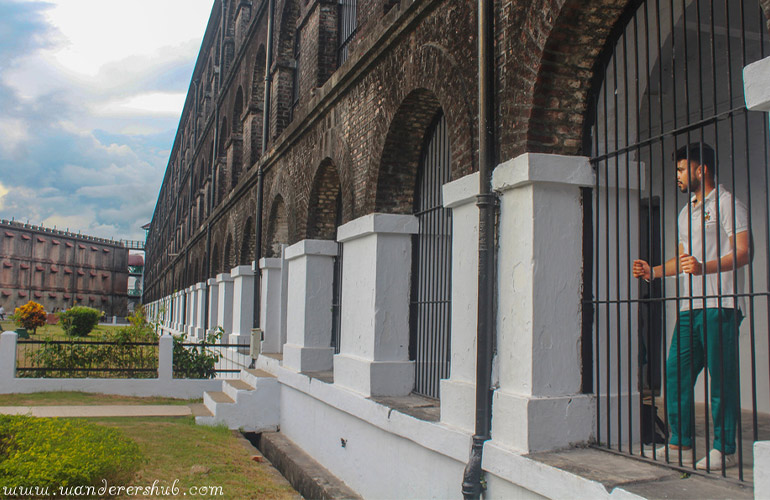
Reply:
x=374, y=350
x=309, y=315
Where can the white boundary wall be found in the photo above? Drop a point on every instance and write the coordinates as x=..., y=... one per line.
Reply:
x=165, y=385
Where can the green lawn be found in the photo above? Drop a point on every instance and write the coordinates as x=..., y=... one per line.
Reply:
x=176, y=449
x=55, y=331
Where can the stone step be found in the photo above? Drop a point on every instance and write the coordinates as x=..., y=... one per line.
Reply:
x=252, y=376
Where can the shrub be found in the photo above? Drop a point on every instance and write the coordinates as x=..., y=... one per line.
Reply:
x=50, y=452
x=196, y=361
x=79, y=320
x=30, y=316
x=114, y=356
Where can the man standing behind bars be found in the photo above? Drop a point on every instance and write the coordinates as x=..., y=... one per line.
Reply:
x=704, y=332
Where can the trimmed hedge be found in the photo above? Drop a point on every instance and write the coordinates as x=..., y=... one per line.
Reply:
x=79, y=320
x=52, y=453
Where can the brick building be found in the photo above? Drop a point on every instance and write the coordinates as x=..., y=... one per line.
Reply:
x=338, y=145
x=59, y=269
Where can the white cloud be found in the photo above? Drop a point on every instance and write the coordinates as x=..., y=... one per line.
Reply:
x=152, y=103
x=3, y=192
x=14, y=132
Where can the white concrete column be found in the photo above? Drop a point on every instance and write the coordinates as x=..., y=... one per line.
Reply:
x=8, y=355
x=225, y=304
x=200, y=310
x=762, y=469
x=538, y=405
x=165, y=358
x=243, y=304
x=309, y=315
x=176, y=323
x=271, y=305
x=189, y=310
x=374, y=354
x=756, y=85
x=458, y=392
x=213, y=305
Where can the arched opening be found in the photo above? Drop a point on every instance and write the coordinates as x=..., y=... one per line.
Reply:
x=277, y=229
x=431, y=264
x=324, y=217
x=325, y=207
x=669, y=84
x=237, y=140
x=227, y=257
x=248, y=244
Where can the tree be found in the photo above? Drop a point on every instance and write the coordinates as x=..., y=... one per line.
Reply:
x=30, y=316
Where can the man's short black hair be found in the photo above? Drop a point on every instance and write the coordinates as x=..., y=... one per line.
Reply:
x=701, y=153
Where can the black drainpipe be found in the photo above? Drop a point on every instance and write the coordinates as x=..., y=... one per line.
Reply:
x=486, y=201
x=261, y=173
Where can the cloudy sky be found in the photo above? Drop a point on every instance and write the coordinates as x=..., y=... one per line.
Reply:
x=90, y=97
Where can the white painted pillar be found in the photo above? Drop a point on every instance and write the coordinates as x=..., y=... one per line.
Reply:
x=762, y=469
x=756, y=85
x=189, y=310
x=8, y=355
x=200, y=310
x=538, y=405
x=165, y=358
x=458, y=392
x=213, y=305
x=374, y=354
x=225, y=304
x=176, y=325
x=243, y=304
x=271, y=305
x=309, y=315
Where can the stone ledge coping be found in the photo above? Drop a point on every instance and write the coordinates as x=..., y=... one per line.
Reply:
x=224, y=277
x=461, y=191
x=377, y=224
x=270, y=263
x=241, y=271
x=311, y=247
x=755, y=83
x=531, y=168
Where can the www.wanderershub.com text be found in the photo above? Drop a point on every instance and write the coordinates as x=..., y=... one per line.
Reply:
x=154, y=489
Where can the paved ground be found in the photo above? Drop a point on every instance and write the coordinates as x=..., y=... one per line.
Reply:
x=106, y=410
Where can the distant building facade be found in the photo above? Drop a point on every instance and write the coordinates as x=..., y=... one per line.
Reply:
x=59, y=269
x=135, y=280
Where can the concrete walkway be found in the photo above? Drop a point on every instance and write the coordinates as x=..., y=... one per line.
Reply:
x=104, y=410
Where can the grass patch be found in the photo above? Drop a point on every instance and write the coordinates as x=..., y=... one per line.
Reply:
x=53, y=453
x=55, y=332
x=198, y=456
x=85, y=399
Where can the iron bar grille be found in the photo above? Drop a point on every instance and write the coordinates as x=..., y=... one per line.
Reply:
x=431, y=261
x=82, y=358
x=337, y=300
x=673, y=79
x=346, y=29
x=214, y=360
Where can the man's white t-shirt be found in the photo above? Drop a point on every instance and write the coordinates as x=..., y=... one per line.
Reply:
x=713, y=227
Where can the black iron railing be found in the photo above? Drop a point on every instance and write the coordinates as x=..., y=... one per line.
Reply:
x=671, y=85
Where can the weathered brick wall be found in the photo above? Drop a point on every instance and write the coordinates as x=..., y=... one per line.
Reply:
x=359, y=131
x=59, y=269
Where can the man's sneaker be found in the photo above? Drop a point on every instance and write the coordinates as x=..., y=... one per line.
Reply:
x=673, y=455
x=715, y=461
